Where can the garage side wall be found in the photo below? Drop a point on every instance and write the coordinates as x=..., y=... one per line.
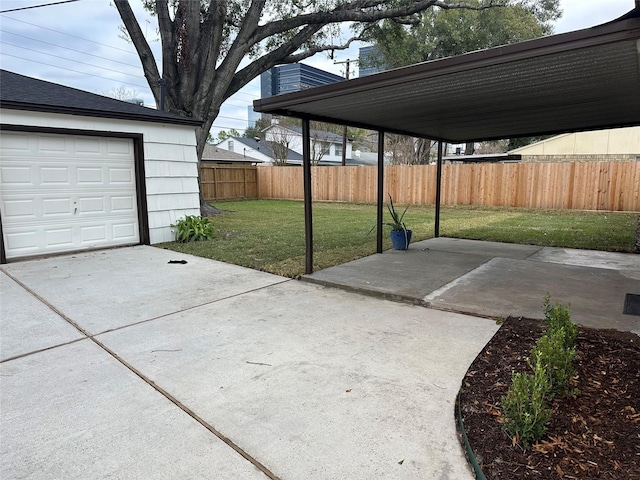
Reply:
x=170, y=162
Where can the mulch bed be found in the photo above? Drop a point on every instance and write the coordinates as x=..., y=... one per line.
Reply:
x=594, y=435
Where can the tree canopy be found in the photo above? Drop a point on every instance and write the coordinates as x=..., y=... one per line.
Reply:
x=211, y=49
x=445, y=33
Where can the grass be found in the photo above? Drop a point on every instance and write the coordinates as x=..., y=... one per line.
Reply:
x=269, y=234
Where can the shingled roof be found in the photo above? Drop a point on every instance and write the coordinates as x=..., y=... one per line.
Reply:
x=19, y=92
x=212, y=153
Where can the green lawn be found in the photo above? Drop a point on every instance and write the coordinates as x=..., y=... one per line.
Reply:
x=269, y=234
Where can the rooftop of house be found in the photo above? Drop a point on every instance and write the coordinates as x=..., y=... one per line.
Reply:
x=322, y=135
x=20, y=92
x=263, y=147
x=213, y=153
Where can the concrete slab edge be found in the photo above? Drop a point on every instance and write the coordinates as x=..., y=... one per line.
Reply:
x=363, y=291
x=436, y=293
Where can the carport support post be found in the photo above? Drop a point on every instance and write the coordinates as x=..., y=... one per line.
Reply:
x=436, y=230
x=306, y=173
x=380, y=191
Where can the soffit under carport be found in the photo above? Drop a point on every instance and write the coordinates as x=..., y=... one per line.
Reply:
x=583, y=80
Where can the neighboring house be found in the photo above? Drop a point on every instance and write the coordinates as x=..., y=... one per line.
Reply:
x=483, y=158
x=260, y=150
x=620, y=144
x=326, y=147
x=213, y=154
x=82, y=171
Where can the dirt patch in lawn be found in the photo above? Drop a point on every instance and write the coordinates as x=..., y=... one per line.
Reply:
x=594, y=435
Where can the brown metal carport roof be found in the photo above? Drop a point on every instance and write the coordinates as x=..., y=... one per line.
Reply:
x=583, y=80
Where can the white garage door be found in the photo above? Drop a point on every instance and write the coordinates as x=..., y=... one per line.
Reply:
x=60, y=193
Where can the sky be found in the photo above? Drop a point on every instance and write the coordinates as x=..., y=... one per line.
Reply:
x=80, y=45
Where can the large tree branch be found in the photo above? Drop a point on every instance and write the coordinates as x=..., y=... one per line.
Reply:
x=360, y=11
x=264, y=63
x=208, y=48
x=167, y=37
x=244, y=39
x=142, y=47
x=309, y=52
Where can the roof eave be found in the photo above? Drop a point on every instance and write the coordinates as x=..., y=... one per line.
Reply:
x=85, y=112
x=625, y=29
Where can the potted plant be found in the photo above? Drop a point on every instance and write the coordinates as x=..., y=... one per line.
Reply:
x=400, y=234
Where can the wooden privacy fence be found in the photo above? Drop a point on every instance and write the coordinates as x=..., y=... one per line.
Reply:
x=224, y=182
x=613, y=186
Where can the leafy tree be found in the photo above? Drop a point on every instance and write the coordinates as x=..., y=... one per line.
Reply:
x=223, y=134
x=445, y=33
x=514, y=143
x=205, y=42
x=257, y=131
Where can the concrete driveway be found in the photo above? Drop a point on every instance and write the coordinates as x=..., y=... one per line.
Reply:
x=117, y=364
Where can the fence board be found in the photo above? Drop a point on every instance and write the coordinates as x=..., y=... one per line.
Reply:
x=224, y=182
x=568, y=185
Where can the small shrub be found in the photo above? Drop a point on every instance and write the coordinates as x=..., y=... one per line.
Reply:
x=526, y=413
x=558, y=318
x=192, y=228
x=556, y=360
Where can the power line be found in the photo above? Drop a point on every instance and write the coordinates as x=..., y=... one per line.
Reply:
x=72, y=60
x=246, y=94
x=65, y=48
x=38, y=6
x=73, y=36
x=74, y=71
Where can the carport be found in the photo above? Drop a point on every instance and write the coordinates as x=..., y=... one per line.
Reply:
x=583, y=80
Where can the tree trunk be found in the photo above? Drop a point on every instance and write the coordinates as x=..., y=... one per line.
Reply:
x=207, y=210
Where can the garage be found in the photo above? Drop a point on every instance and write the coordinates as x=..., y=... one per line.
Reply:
x=62, y=193
x=79, y=171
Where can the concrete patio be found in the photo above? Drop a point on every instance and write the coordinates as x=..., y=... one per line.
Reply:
x=498, y=279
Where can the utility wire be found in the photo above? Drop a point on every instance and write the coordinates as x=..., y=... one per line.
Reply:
x=73, y=36
x=252, y=97
x=74, y=71
x=72, y=60
x=38, y=6
x=65, y=48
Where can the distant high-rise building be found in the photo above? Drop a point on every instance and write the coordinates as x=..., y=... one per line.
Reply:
x=366, y=57
x=292, y=78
